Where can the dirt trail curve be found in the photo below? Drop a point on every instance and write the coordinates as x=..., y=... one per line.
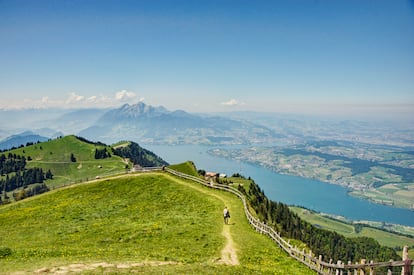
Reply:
x=228, y=253
x=79, y=267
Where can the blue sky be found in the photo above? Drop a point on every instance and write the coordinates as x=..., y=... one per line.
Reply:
x=295, y=56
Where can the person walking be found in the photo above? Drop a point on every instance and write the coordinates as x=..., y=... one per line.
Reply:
x=226, y=215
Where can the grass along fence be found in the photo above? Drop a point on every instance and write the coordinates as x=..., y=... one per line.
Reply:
x=404, y=267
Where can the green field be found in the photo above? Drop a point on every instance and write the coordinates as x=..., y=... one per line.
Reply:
x=186, y=168
x=56, y=156
x=397, y=194
x=383, y=237
x=150, y=223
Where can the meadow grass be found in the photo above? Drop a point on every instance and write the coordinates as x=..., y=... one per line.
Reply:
x=323, y=222
x=187, y=167
x=56, y=156
x=138, y=218
x=59, y=150
x=383, y=237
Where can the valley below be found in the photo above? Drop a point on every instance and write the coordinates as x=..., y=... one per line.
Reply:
x=361, y=170
x=381, y=174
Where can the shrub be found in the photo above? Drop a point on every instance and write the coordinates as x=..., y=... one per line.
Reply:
x=4, y=252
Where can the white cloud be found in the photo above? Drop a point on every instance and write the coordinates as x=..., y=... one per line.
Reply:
x=233, y=102
x=124, y=96
x=73, y=100
x=98, y=100
x=92, y=98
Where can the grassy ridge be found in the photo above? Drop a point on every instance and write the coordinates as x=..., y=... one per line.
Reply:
x=135, y=218
x=56, y=156
x=187, y=167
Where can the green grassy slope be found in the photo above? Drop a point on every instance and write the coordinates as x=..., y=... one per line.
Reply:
x=56, y=156
x=187, y=167
x=383, y=237
x=152, y=223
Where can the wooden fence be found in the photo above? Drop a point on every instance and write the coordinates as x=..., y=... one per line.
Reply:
x=404, y=267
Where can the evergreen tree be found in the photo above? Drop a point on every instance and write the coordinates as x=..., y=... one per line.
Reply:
x=139, y=155
x=102, y=153
x=72, y=157
x=49, y=175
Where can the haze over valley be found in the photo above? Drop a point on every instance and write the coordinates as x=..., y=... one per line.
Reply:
x=374, y=160
x=304, y=109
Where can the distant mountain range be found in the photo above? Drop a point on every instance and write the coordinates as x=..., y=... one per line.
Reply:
x=21, y=139
x=137, y=122
x=157, y=125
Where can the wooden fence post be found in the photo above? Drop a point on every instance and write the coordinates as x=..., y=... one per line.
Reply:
x=406, y=269
x=371, y=268
x=362, y=269
x=330, y=268
x=319, y=262
x=338, y=269
x=389, y=272
x=310, y=257
x=349, y=270
x=342, y=268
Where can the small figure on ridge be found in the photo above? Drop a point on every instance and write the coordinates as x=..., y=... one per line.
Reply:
x=226, y=215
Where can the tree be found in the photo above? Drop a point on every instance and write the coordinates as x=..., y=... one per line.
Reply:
x=72, y=157
x=102, y=153
x=139, y=155
x=49, y=175
x=202, y=172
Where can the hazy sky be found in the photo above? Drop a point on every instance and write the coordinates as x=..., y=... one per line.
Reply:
x=284, y=56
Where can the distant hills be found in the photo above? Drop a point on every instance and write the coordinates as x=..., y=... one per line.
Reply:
x=147, y=124
x=137, y=122
x=21, y=139
x=67, y=160
x=158, y=125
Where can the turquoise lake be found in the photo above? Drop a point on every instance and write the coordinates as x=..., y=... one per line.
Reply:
x=292, y=190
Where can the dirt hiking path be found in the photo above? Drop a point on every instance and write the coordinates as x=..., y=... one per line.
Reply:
x=78, y=268
x=228, y=253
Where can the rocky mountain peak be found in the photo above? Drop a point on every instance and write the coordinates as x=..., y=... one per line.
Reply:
x=140, y=109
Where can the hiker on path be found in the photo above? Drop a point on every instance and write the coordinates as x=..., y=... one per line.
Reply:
x=226, y=215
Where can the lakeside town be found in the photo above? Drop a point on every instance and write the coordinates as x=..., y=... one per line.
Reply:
x=381, y=174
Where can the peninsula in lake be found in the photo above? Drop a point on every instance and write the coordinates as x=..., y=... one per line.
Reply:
x=380, y=173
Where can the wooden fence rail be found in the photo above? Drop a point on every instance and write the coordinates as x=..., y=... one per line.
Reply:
x=405, y=267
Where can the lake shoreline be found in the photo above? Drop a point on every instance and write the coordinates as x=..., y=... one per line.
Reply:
x=291, y=190
x=372, y=182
